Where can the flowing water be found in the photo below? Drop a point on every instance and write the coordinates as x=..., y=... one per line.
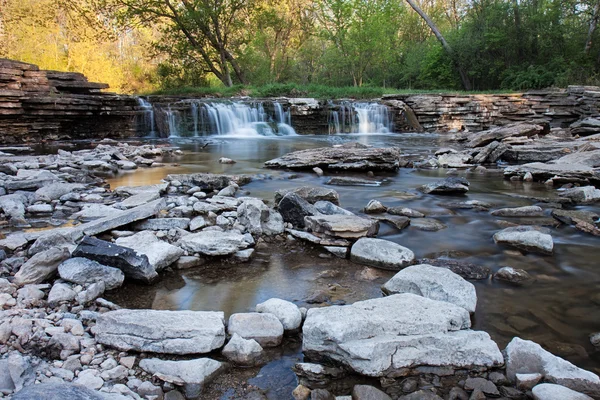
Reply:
x=559, y=310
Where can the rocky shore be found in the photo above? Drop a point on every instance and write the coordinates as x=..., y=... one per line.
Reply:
x=70, y=238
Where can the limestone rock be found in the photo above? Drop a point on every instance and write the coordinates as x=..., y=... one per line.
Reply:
x=342, y=226
x=160, y=254
x=287, y=312
x=195, y=373
x=528, y=211
x=243, y=351
x=381, y=254
x=41, y=266
x=311, y=194
x=258, y=218
x=266, y=329
x=84, y=272
x=550, y=391
x=294, y=208
x=447, y=186
x=58, y=391
x=526, y=238
x=166, y=332
x=214, y=243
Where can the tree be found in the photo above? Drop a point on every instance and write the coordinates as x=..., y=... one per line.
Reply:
x=463, y=75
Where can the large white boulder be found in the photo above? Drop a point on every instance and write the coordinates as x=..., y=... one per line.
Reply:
x=381, y=253
x=435, y=283
x=551, y=391
x=287, y=312
x=258, y=218
x=526, y=238
x=264, y=328
x=160, y=254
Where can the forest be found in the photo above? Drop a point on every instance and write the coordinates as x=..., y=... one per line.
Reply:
x=282, y=46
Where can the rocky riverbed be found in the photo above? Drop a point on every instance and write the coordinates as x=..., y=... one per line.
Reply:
x=76, y=250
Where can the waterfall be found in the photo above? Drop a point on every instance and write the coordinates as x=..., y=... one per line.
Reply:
x=148, y=118
x=195, y=118
x=360, y=118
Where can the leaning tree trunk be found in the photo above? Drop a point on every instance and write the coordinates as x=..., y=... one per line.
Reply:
x=593, y=24
x=463, y=75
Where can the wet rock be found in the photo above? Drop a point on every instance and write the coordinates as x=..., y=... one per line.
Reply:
x=162, y=224
x=571, y=217
x=229, y=191
x=56, y=190
x=526, y=238
x=462, y=268
x=318, y=297
x=399, y=222
x=350, y=156
x=58, y=391
x=266, y=329
x=192, y=374
x=527, y=357
x=381, y=254
x=352, y=181
x=513, y=275
x=341, y=226
x=527, y=381
x=134, y=266
x=454, y=160
x=468, y=205
x=41, y=266
x=406, y=212
x=287, y=312
x=415, y=330
x=208, y=182
x=214, y=243
x=549, y=391
x=160, y=254
x=318, y=171
x=375, y=207
x=260, y=219
x=428, y=224
x=568, y=172
x=583, y=195
x=365, y=392
x=434, y=283
x=528, y=211
x=328, y=208
x=517, y=129
x=483, y=385
x=225, y=160
x=166, y=332
x=450, y=185
x=83, y=271
x=321, y=394
x=243, y=351
x=310, y=194
x=341, y=252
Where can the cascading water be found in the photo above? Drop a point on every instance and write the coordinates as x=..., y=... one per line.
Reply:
x=148, y=117
x=196, y=118
x=360, y=118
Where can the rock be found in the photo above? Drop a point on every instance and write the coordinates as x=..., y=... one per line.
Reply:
x=527, y=381
x=549, y=391
x=529, y=211
x=512, y=275
x=243, y=255
x=318, y=171
x=434, y=283
x=266, y=329
x=214, y=243
x=160, y=254
x=421, y=395
x=527, y=357
x=405, y=212
x=341, y=252
x=134, y=266
x=380, y=336
x=65, y=238
x=352, y=181
x=83, y=271
x=199, y=222
x=89, y=378
x=59, y=391
x=116, y=373
x=328, y=208
x=229, y=191
x=397, y=221
x=294, y=208
x=381, y=254
x=321, y=394
x=166, y=332
x=162, y=224
x=21, y=371
x=149, y=391
x=341, y=226
x=41, y=266
x=375, y=207
x=94, y=291
x=447, y=186
x=288, y=313
x=350, y=156
x=365, y=392
x=13, y=206
x=483, y=385
x=595, y=339
x=526, y=238
x=310, y=194
x=40, y=209
x=301, y=392
x=91, y=212
x=584, y=195
x=457, y=393
x=192, y=374
x=428, y=224
x=60, y=292
x=462, y=268
x=259, y=219
x=225, y=160
x=468, y=205
x=208, y=182
x=517, y=129
x=243, y=351
x=571, y=217
x=454, y=160
x=56, y=190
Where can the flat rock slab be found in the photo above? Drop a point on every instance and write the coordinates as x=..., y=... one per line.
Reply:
x=199, y=371
x=160, y=254
x=165, y=332
x=162, y=224
x=462, y=268
x=447, y=186
x=434, y=283
x=266, y=329
x=134, y=266
x=550, y=391
x=208, y=181
x=214, y=243
x=350, y=156
x=381, y=253
x=381, y=336
x=399, y=222
x=526, y=238
x=350, y=181
x=83, y=271
x=517, y=129
x=342, y=226
x=527, y=357
x=312, y=194
x=527, y=211
x=58, y=391
x=428, y=224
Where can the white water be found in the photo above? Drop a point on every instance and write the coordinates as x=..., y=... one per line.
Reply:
x=360, y=118
x=172, y=123
x=148, y=116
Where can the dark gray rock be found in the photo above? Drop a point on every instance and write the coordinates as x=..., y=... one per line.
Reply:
x=310, y=194
x=513, y=275
x=350, y=181
x=365, y=392
x=208, y=181
x=135, y=266
x=482, y=384
x=57, y=391
x=328, y=208
x=450, y=185
x=421, y=395
x=465, y=269
x=294, y=208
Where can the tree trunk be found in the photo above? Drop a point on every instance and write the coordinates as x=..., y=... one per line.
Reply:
x=593, y=24
x=463, y=75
